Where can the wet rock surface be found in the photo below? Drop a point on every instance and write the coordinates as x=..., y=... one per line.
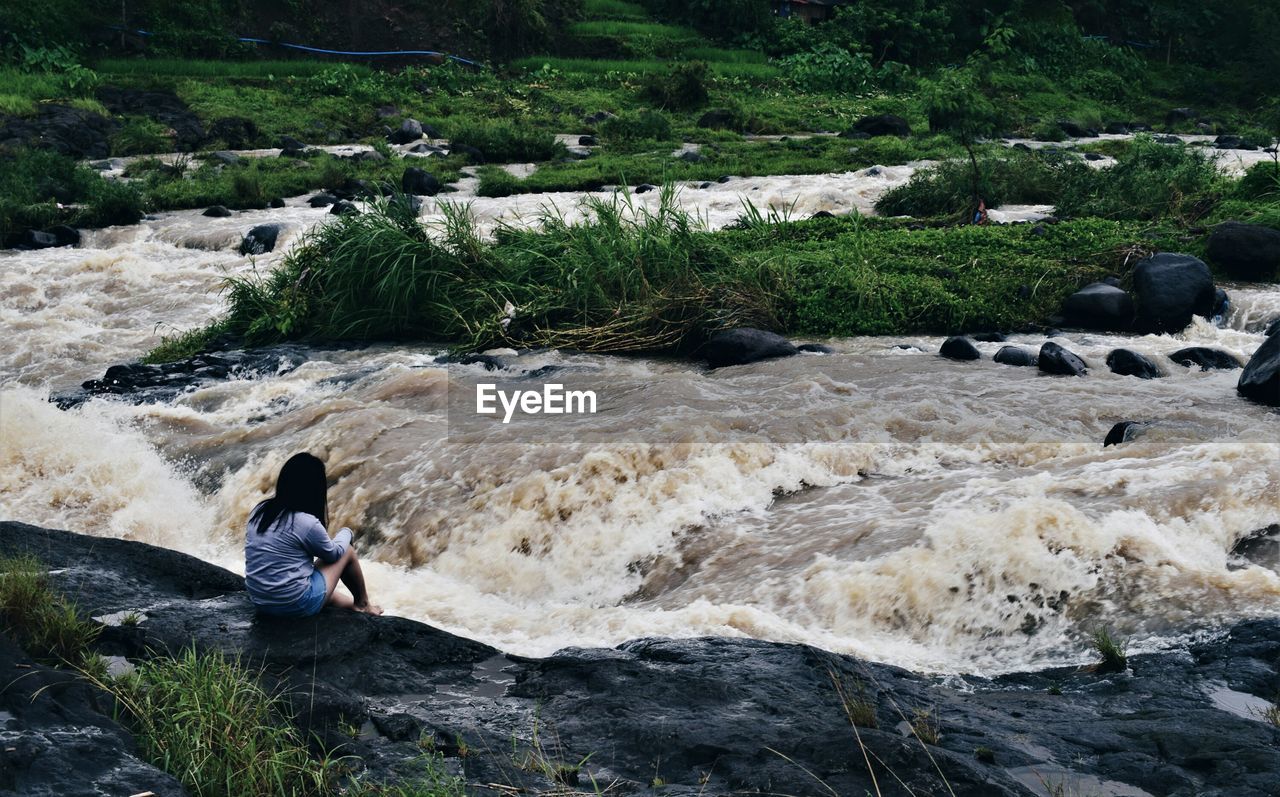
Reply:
x=699, y=716
x=142, y=383
x=743, y=346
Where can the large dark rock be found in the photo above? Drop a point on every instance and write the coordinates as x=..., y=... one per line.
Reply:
x=62, y=128
x=261, y=239
x=1170, y=289
x=703, y=716
x=1054, y=359
x=1015, y=355
x=959, y=348
x=884, y=124
x=420, y=182
x=719, y=119
x=164, y=107
x=1099, y=305
x=1130, y=363
x=1124, y=432
x=1208, y=359
x=236, y=132
x=141, y=383
x=743, y=346
x=1260, y=380
x=218, y=212
x=1245, y=251
x=410, y=130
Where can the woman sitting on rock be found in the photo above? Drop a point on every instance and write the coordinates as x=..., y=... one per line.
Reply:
x=286, y=535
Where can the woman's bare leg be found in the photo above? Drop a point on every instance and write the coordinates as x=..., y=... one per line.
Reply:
x=347, y=570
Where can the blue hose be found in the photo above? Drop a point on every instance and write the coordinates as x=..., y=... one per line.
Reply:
x=305, y=48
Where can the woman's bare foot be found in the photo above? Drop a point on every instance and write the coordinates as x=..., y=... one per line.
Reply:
x=368, y=608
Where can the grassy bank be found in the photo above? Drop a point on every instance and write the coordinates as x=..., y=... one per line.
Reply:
x=633, y=279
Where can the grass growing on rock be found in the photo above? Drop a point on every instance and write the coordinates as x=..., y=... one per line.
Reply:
x=205, y=719
x=1111, y=650
x=47, y=624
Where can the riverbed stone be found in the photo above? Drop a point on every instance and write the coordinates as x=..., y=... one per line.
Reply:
x=1260, y=380
x=1099, y=305
x=1127, y=362
x=959, y=347
x=1054, y=359
x=420, y=182
x=261, y=239
x=1208, y=359
x=410, y=130
x=1170, y=288
x=1015, y=355
x=743, y=346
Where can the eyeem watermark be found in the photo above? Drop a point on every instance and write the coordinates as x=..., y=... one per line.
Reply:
x=552, y=399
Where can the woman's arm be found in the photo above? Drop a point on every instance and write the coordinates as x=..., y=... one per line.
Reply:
x=318, y=543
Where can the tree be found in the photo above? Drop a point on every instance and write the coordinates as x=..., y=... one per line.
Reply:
x=956, y=104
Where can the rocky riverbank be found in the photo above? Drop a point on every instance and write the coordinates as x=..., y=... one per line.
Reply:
x=652, y=716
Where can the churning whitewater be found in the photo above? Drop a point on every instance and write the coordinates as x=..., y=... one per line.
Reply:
x=879, y=500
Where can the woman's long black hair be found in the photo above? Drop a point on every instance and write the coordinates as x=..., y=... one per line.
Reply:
x=301, y=487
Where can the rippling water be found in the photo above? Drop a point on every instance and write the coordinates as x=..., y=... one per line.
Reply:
x=879, y=500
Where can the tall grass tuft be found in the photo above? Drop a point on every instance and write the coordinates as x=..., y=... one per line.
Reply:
x=205, y=719
x=47, y=624
x=1111, y=650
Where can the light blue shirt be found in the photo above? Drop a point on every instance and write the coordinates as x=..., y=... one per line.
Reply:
x=278, y=562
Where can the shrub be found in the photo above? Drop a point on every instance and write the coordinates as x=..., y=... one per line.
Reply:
x=828, y=67
x=140, y=136
x=683, y=88
x=502, y=141
x=632, y=126
x=947, y=188
x=1262, y=181
x=1150, y=181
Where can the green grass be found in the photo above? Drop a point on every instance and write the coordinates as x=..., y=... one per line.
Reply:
x=1111, y=650
x=650, y=280
x=204, y=68
x=33, y=182
x=946, y=190
x=615, y=9
x=603, y=66
x=621, y=28
x=46, y=624
x=184, y=711
x=253, y=182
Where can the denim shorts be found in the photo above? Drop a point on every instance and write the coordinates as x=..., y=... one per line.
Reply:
x=311, y=602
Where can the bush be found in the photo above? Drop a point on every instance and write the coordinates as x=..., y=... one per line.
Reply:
x=502, y=141
x=1262, y=181
x=141, y=136
x=1150, y=181
x=947, y=188
x=633, y=126
x=829, y=67
x=34, y=182
x=683, y=88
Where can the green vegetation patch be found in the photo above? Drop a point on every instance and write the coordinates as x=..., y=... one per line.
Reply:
x=39, y=189
x=43, y=620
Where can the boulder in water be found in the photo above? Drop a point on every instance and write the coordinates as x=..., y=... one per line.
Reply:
x=291, y=147
x=65, y=235
x=744, y=345
x=1015, y=355
x=344, y=207
x=1170, y=289
x=420, y=182
x=1054, y=359
x=1127, y=362
x=1260, y=380
x=990, y=337
x=959, y=348
x=1124, y=432
x=261, y=239
x=1208, y=359
x=1245, y=251
x=1221, y=306
x=815, y=348
x=588, y=141
x=1099, y=305
x=322, y=200
x=216, y=212
x=1273, y=328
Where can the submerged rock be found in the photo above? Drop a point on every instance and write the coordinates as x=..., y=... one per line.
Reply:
x=1127, y=362
x=1124, y=432
x=1015, y=355
x=1208, y=359
x=743, y=346
x=815, y=348
x=1260, y=380
x=959, y=348
x=1170, y=289
x=1054, y=359
x=216, y=212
